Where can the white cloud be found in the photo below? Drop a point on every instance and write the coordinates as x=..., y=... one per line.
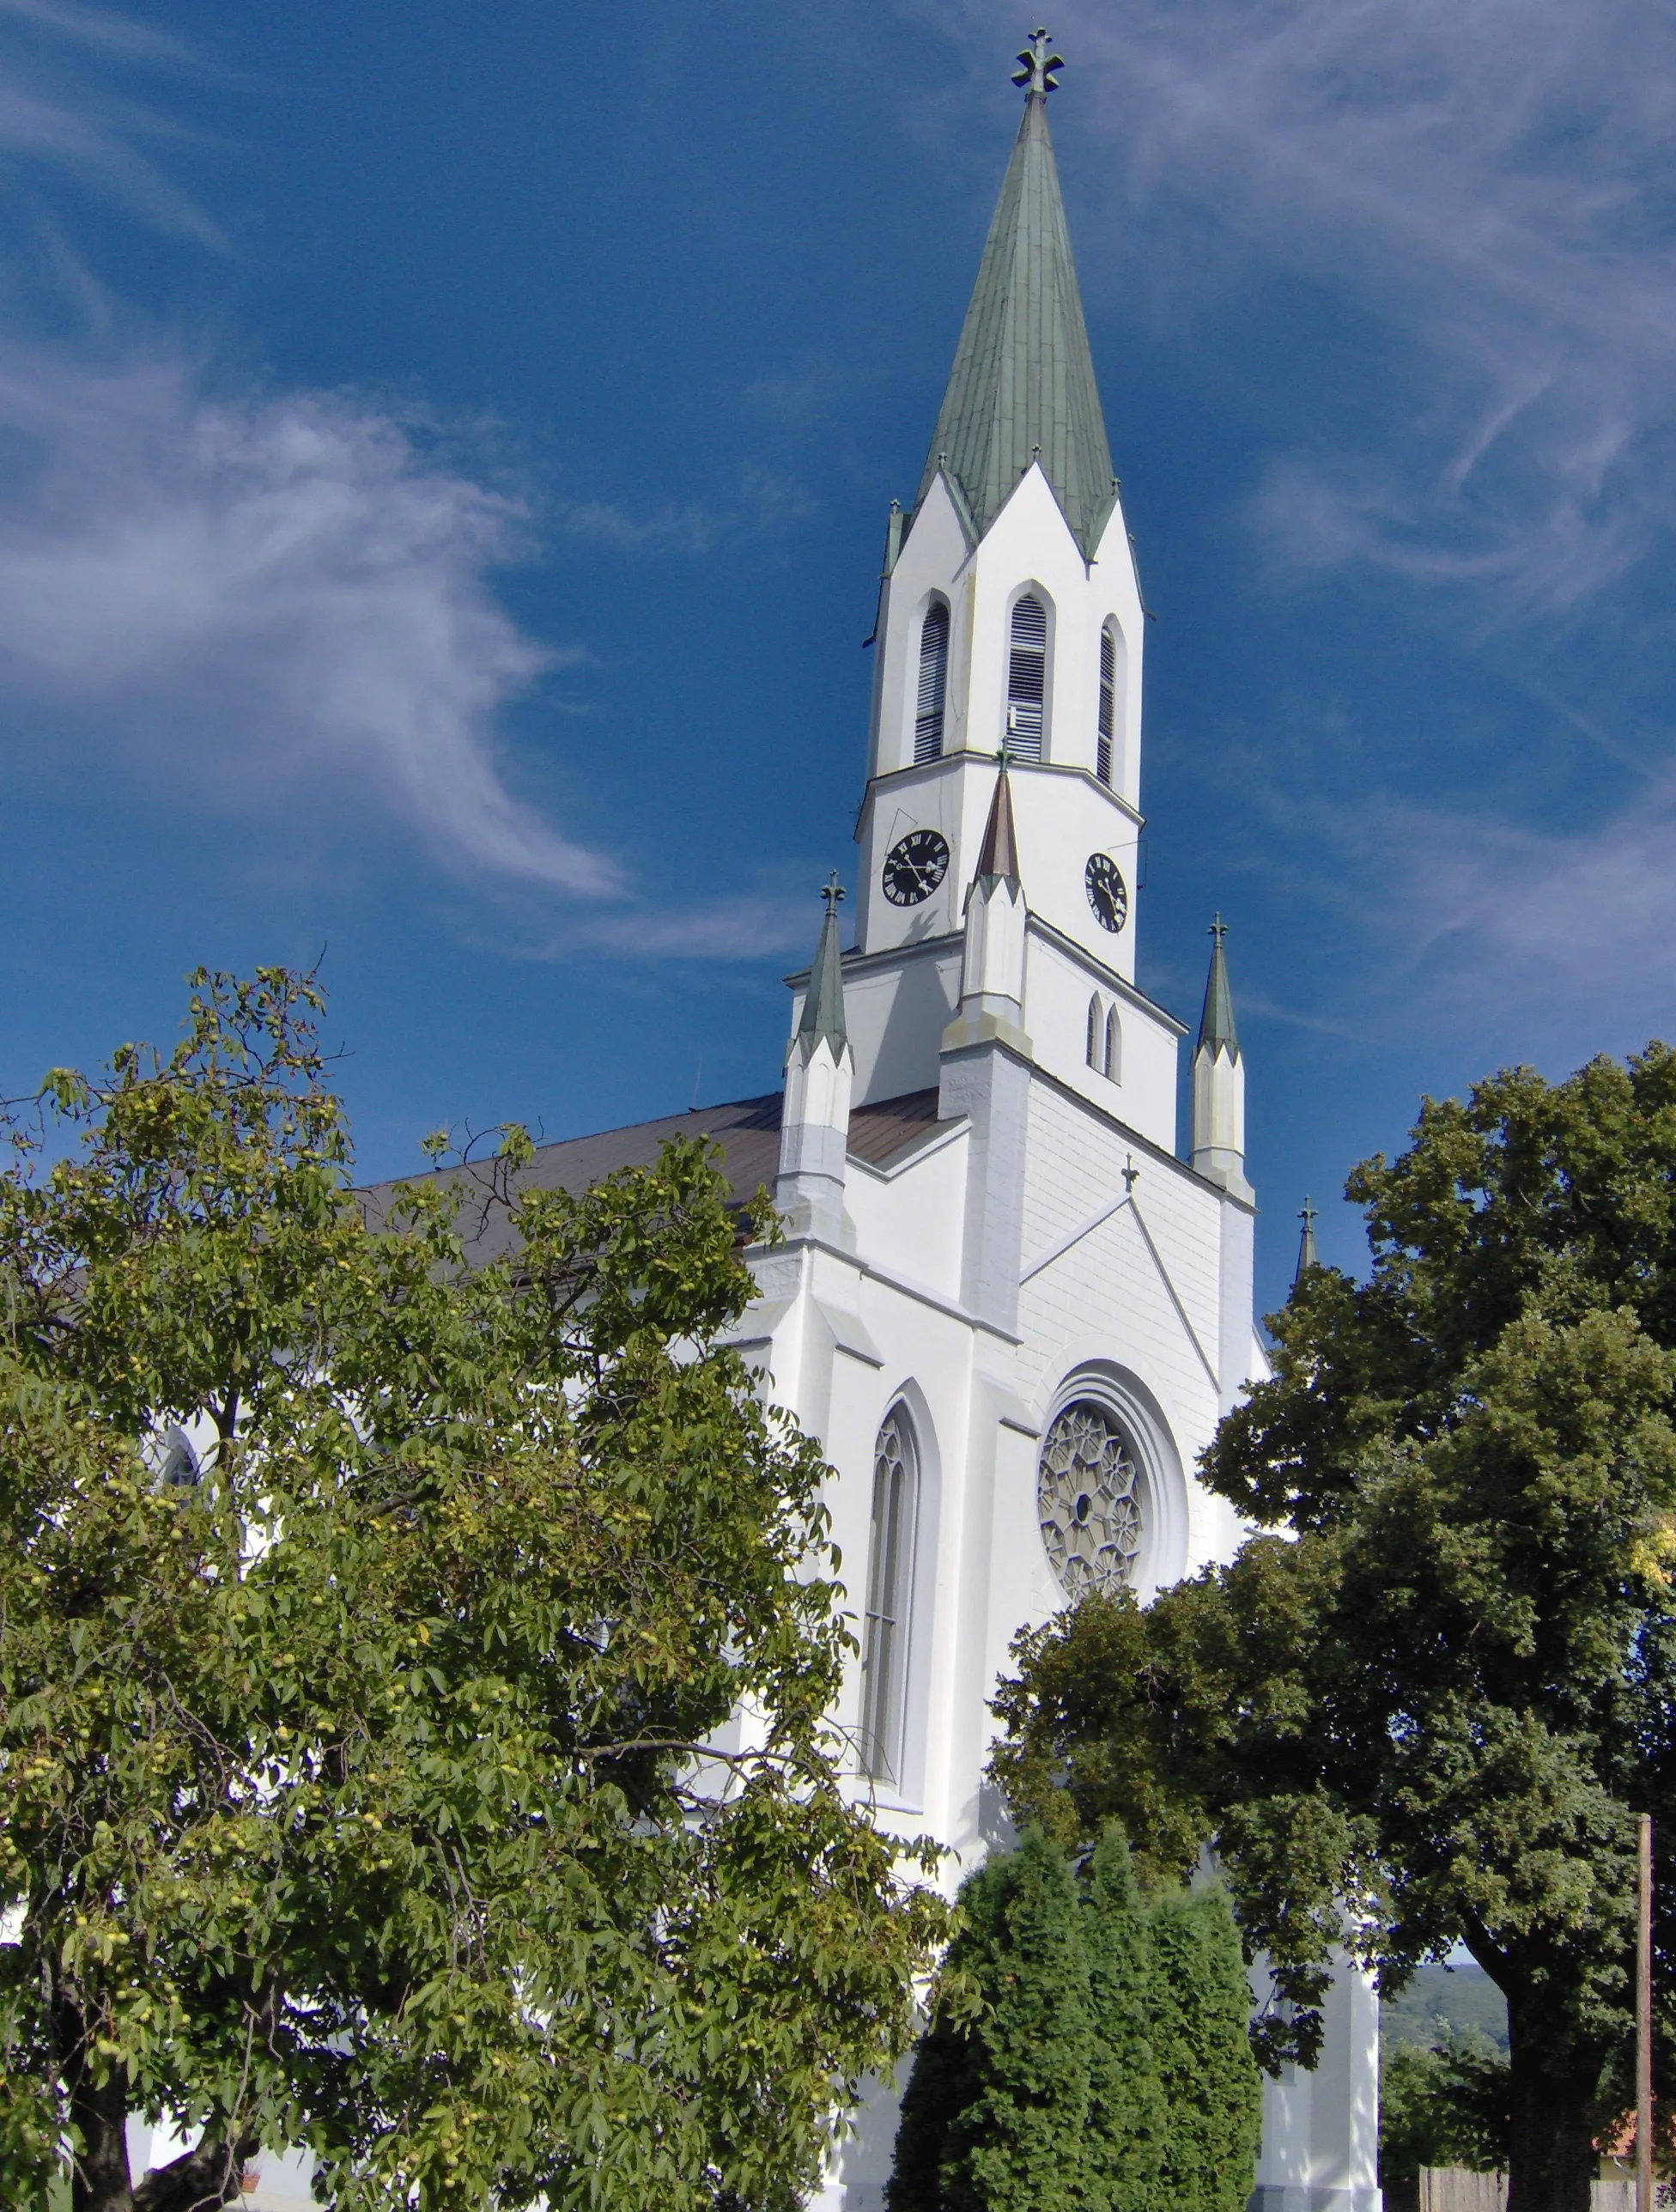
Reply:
x=272, y=590
x=1490, y=180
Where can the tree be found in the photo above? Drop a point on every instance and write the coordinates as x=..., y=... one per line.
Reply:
x=1087, y=2048
x=994, y=2115
x=1440, y=2105
x=370, y=1631
x=1211, y=2089
x=1428, y=1711
x=1127, y=2119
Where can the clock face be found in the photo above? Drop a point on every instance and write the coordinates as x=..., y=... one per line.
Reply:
x=913, y=869
x=1107, y=893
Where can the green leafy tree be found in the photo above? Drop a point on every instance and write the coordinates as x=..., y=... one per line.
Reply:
x=1212, y=2088
x=369, y=1775
x=1440, y=2105
x=994, y=2112
x=1127, y=2117
x=1427, y=1713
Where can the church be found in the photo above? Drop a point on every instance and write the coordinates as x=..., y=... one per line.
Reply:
x=1011, y=1308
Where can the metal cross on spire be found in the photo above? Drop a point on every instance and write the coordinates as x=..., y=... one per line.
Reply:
x=1218, y=929
x=832, y=890
x=1037, y=74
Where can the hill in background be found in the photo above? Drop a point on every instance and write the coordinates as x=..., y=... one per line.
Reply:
x=1440, y=2000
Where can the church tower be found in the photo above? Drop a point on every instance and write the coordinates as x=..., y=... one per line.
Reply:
x=1010, y=634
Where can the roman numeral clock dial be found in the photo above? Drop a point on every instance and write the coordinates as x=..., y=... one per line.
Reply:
x=914, y=868
x=1107, y=893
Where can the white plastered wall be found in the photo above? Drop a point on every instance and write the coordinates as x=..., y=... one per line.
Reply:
x=1064, y=813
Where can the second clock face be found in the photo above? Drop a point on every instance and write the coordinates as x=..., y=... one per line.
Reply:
x=1107, y=893
x=913, y=869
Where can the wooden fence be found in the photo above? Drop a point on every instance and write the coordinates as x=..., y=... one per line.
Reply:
x=1453, y=2189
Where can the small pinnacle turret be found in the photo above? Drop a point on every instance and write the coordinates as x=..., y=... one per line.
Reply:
x=992, y=975
x=1306, y=1256
x=823, y=1006
x=815, y=1116
x=999, y=854
x=1218, y=1080
x=1215, y=1022
x=1022, y=388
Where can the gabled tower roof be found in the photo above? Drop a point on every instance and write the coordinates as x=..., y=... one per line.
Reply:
x=1022, y=384
x=1217, y=1032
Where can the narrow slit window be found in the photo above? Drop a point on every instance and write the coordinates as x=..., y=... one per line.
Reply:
x=1095, y=1029
x=889, y=1573
x=933, y=683
x=1103, y=744
x=1027, y=678
x=1114, y=1047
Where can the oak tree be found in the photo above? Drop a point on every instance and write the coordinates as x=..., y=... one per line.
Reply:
x=1426, y=1709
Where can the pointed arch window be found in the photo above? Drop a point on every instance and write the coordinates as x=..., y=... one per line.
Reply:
x=1095, y=1031
x=1114, y=1052
x=1102, y=742
x=1027, y=678
x=889, y=1582
x=933, y=683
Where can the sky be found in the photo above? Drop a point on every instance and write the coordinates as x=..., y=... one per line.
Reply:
x=444, y=457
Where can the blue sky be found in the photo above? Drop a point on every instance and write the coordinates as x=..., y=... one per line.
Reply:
x=443, y=454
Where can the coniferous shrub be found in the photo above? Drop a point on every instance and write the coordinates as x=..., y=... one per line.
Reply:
x=1212, y=2091
x=1123, y=2147
x=997, y=2105
x=1090, y=2050
x=941, y=2082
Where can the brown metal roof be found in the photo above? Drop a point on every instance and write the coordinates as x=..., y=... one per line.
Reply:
x=746, y=1129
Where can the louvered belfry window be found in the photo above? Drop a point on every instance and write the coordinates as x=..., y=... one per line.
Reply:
x=1095, y=1032
x=889, y=1580
x=933, y=683
x=1027, y=678
x=1103, y=747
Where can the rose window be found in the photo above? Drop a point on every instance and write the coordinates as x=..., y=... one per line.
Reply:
x=1086, y=1495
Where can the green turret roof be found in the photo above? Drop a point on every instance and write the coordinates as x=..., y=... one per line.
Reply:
x=823, y=1001
x=1216, y=1025
x=1307, y=1254
x=1023, y=387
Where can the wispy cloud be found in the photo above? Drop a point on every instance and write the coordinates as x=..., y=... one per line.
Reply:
x=1490, y=182
x=763, y=503
x=268, y=590
x=62, y=120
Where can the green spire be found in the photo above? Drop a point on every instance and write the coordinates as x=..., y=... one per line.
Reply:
x=1216, y=1025
x=1023, y=387
x=1307, y=1254
x=823, y=1001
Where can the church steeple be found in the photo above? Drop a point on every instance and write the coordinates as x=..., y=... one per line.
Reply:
x=1023, y=387
x=1010, y=627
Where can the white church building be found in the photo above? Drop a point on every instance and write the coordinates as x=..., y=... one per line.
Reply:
x=1009, y=1305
